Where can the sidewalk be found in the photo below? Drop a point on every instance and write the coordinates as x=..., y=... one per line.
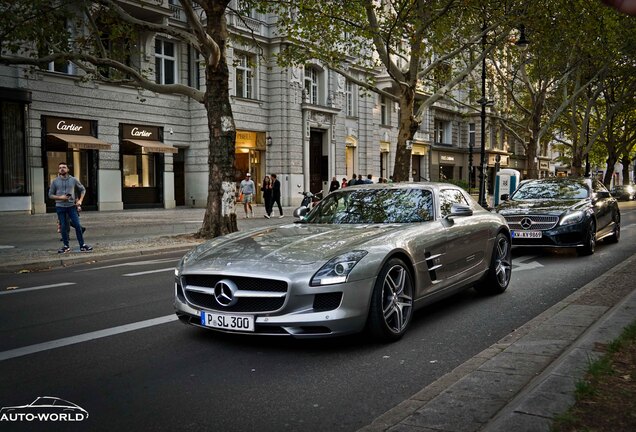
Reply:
x=518, y=384
x=30, y=242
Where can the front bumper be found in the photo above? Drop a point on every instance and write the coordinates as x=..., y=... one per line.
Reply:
x=567, y=236
x=307, y=312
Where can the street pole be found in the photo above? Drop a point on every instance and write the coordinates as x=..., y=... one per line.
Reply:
x=483, y=102
x=587, y=149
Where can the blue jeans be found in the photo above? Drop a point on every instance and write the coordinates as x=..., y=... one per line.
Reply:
x=73, y=217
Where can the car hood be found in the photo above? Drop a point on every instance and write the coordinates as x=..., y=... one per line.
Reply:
x=547, y=207
x=295, y=244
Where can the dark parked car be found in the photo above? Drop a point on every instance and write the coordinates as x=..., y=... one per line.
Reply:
x=624, y=192
x=562, y=212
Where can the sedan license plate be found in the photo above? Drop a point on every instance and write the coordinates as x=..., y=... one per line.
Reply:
x=228, y=322
x=526, y=234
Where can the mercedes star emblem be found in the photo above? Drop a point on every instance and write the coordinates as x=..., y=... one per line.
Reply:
x=224, y=292
x=526, y=223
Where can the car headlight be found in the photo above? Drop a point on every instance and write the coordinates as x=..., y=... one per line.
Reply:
x=572, y=218
x=337, y=269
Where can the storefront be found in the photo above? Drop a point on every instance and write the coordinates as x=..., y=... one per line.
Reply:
x=75, y=142
x=142, y=154
x=249, y=157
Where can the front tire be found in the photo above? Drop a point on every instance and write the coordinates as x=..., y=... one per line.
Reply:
x=616, y=234
x=500, y=271
x=391, y=302
x=590, y=240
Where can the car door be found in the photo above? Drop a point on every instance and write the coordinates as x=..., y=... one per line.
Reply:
x=602, y=201
x=465, y=239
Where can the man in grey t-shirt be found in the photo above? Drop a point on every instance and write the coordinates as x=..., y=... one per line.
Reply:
x=62, y=190
x=248, y=188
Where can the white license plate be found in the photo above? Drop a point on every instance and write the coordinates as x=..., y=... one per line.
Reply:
x=228, y=322
x=526, y=234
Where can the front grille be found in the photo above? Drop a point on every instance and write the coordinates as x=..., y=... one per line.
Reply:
x=259, y=302
x=538, y=222
x=327, y=301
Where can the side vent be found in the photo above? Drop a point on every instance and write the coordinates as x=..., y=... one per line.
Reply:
x=433, y=262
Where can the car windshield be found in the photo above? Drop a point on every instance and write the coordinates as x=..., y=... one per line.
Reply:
x=365, y=206
x=551, y=189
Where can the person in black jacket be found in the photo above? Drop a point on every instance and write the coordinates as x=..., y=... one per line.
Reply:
x=335, y=184
x=276, y=194
x=268, y=196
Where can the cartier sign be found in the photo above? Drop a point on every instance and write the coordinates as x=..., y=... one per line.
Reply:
x=68, y=126
x=130, y=131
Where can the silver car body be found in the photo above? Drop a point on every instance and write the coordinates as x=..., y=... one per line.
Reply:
x=268, y=270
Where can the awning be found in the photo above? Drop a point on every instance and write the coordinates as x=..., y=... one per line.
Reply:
x=351, y=141
x=153, y=146
x=85, y=142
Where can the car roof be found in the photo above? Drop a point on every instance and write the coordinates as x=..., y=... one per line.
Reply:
x=403, y=185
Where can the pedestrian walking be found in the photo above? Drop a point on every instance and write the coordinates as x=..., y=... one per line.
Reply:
x=268, y=195
x=334, y=184
x=63, y=190
x=353, y=181
x=344, y=182
x=276, y=194
x=247, y=188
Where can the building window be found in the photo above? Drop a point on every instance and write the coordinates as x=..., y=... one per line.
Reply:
x=351, y=100
x=443, y=132
x=385, y=115
x=244, y=9
x=12, y=149
x=311, y=84
x=165, y=62
x=195, y=65
x=244, y=76
x=471, y=134
x=139, y=170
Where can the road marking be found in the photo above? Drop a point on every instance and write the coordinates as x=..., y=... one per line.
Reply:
x=128, y=264
x=150, y=272
x=32, y=349
x=519, y=264
x=20, y=290
x=6, y=247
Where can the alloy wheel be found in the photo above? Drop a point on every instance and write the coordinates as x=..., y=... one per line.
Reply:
x=397, y=298
x=503, y=263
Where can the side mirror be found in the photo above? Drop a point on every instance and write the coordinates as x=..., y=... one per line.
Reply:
x=460, y=210
x=301, y=212
x=505, y=197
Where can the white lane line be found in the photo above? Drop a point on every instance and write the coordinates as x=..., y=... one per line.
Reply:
x=130, y=264
x=21, y=290
x=32, y=349
x=150, y=271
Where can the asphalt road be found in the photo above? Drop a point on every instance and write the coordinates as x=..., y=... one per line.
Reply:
x=103, y=336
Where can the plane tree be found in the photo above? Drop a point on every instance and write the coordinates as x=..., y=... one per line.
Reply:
x=99, y=37
x=559, y=82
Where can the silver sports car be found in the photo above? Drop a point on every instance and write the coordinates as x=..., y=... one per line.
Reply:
x=366, y=257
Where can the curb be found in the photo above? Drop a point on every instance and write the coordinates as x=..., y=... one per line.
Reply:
x=88, y=257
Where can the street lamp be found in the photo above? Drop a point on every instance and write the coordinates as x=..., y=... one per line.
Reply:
x=483, y=102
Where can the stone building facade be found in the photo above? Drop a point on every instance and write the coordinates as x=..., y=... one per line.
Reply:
x=134, y=148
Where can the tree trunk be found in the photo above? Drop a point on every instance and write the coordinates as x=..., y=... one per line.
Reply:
x=408, y=127
x=626, y=162
x=220, y=218
x=612, y=158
